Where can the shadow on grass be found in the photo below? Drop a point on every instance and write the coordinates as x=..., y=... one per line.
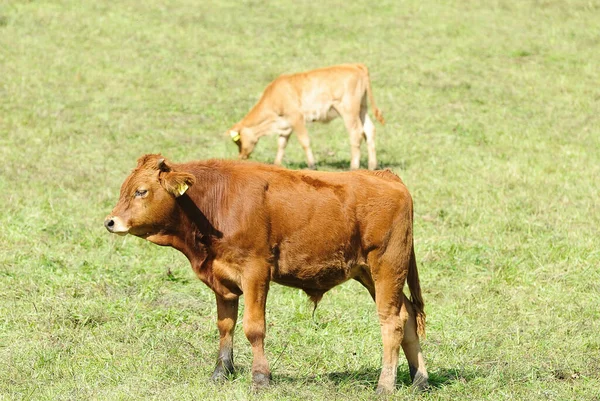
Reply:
x=442, y=376
x=343, y=165
x=368, y=377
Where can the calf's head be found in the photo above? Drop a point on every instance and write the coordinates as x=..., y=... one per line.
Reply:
x=244, y=139
x=147, y=201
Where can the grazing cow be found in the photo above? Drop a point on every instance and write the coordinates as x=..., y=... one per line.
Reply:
x=243, y=225
x=290, y=101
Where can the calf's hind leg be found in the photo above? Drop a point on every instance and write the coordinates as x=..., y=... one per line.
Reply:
x=255, y=294
x=412, y=348
x=388, y=299
x=398, y=328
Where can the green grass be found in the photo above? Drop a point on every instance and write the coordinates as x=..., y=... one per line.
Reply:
x=493, y=116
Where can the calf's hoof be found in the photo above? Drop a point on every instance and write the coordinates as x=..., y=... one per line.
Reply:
x=223, y=371
x=261, y=380
x=420, y=381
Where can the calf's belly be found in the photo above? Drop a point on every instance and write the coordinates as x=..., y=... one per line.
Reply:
x=314, y=274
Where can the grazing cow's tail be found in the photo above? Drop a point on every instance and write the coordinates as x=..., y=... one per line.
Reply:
x=376, y=111
x=415, y=293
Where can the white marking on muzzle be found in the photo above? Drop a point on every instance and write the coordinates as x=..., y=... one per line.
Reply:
x=118, y=226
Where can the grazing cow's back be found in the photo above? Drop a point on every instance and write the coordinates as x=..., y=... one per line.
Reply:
x=292, y=100
x=243, y=225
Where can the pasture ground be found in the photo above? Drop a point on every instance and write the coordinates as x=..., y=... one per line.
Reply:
x=493, y=116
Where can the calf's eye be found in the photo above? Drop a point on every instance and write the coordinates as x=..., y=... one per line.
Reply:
x=141, y=193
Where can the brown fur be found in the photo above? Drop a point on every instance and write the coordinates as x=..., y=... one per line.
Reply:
x=290, y=101
x=243, y=225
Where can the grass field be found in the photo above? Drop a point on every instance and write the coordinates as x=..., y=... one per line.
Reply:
x=493, y=121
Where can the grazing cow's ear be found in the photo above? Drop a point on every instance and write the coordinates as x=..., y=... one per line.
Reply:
x=176, y=183
x=234, y=135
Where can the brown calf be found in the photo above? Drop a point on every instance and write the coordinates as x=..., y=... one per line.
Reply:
x=290, y=101
x=243, y=225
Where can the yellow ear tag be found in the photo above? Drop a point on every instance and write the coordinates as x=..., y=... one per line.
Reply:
x=182, y=188
x=235, y=136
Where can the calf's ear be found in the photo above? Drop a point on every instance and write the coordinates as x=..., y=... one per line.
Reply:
x=162, y=165
x=176, y=183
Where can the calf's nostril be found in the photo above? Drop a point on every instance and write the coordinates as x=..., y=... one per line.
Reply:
x=109, y=223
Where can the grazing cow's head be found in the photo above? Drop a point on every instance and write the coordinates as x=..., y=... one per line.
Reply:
x=244, y=139
x=147, y=199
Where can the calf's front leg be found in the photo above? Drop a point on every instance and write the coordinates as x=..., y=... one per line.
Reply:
x=227, y=312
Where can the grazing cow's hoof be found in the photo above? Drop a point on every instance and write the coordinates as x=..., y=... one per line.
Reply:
x=312, y=167
x=260, y=380
x=223, y=371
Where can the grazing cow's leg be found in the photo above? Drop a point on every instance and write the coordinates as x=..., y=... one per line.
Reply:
x=255, y=296
x=227, y=311
x=369, y=132
x=412, y=348
x=355, y=130
x=281, y=144
x=302, y=133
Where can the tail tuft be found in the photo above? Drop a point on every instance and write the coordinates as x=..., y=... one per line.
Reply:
x=378, y=115
x=420, y=315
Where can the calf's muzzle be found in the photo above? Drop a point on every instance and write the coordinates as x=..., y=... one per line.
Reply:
x=115, y=225
x=109, y=223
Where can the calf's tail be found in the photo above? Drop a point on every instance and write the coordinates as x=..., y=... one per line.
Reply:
x=415, y=293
